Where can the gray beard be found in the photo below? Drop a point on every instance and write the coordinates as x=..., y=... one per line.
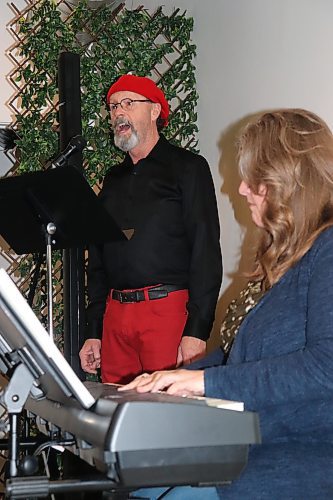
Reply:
x=126, y=143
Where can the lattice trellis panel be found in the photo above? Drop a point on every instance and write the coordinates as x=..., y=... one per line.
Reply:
x=111, y=40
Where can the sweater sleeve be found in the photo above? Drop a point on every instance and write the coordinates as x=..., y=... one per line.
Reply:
x=304, y=374
x=214, y=358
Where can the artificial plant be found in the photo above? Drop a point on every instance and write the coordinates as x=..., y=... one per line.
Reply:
x=110, y=42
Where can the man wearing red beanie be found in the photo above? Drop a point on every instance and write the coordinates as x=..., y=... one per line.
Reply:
x=152, y=297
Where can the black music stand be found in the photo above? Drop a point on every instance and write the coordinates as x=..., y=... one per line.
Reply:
x=52, y=209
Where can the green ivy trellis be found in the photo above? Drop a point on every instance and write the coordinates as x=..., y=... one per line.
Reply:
x=110, y=42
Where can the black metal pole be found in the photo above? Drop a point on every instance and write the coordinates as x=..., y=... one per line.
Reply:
x=13, y=444
x=42, y=487
x=73, y=258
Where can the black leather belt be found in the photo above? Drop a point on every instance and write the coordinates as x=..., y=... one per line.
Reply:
x=154, y=293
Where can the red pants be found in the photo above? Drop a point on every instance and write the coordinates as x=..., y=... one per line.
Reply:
x=142, y=336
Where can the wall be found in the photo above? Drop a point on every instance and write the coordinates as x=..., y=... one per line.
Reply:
x=6, y=91
x=251, y=55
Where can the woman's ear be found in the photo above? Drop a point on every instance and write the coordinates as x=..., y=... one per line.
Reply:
x=262, y=190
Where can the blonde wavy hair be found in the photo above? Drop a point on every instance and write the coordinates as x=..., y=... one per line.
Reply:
x=290, y=151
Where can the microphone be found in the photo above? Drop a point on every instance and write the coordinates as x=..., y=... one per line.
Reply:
x=8, y=136
x=75, y=145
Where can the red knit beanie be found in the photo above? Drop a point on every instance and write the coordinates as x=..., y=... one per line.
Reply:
x=143, y=86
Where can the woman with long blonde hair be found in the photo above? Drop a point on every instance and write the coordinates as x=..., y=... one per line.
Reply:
x=281, y=362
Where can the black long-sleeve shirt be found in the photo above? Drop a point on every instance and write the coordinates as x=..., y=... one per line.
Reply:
x=168, y=199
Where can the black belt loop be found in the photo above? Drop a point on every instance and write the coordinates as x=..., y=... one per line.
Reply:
x=154, y=293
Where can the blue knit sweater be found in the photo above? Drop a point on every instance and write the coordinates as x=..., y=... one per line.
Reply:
x=281, y=365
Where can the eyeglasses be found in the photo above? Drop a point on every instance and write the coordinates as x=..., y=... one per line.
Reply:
x=125, y=104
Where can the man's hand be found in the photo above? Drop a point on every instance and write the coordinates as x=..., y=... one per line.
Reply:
x=190, y=349
x=90, y=355
x=175, y=382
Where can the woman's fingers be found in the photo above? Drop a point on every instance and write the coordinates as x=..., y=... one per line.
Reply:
x=175, y=382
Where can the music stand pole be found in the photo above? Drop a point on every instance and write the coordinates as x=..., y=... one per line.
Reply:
x=50, y=230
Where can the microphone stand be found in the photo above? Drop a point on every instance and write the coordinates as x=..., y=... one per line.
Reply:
x=50, y=231
x=76, y=144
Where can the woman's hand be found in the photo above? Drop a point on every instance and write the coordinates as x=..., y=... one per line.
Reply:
x=176, y=382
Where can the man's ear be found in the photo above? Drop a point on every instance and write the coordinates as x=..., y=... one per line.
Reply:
x=155, y=110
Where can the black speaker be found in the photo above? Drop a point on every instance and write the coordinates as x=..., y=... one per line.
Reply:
x=70, y=125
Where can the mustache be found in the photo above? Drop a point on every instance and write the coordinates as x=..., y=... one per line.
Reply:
x=121, y=121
